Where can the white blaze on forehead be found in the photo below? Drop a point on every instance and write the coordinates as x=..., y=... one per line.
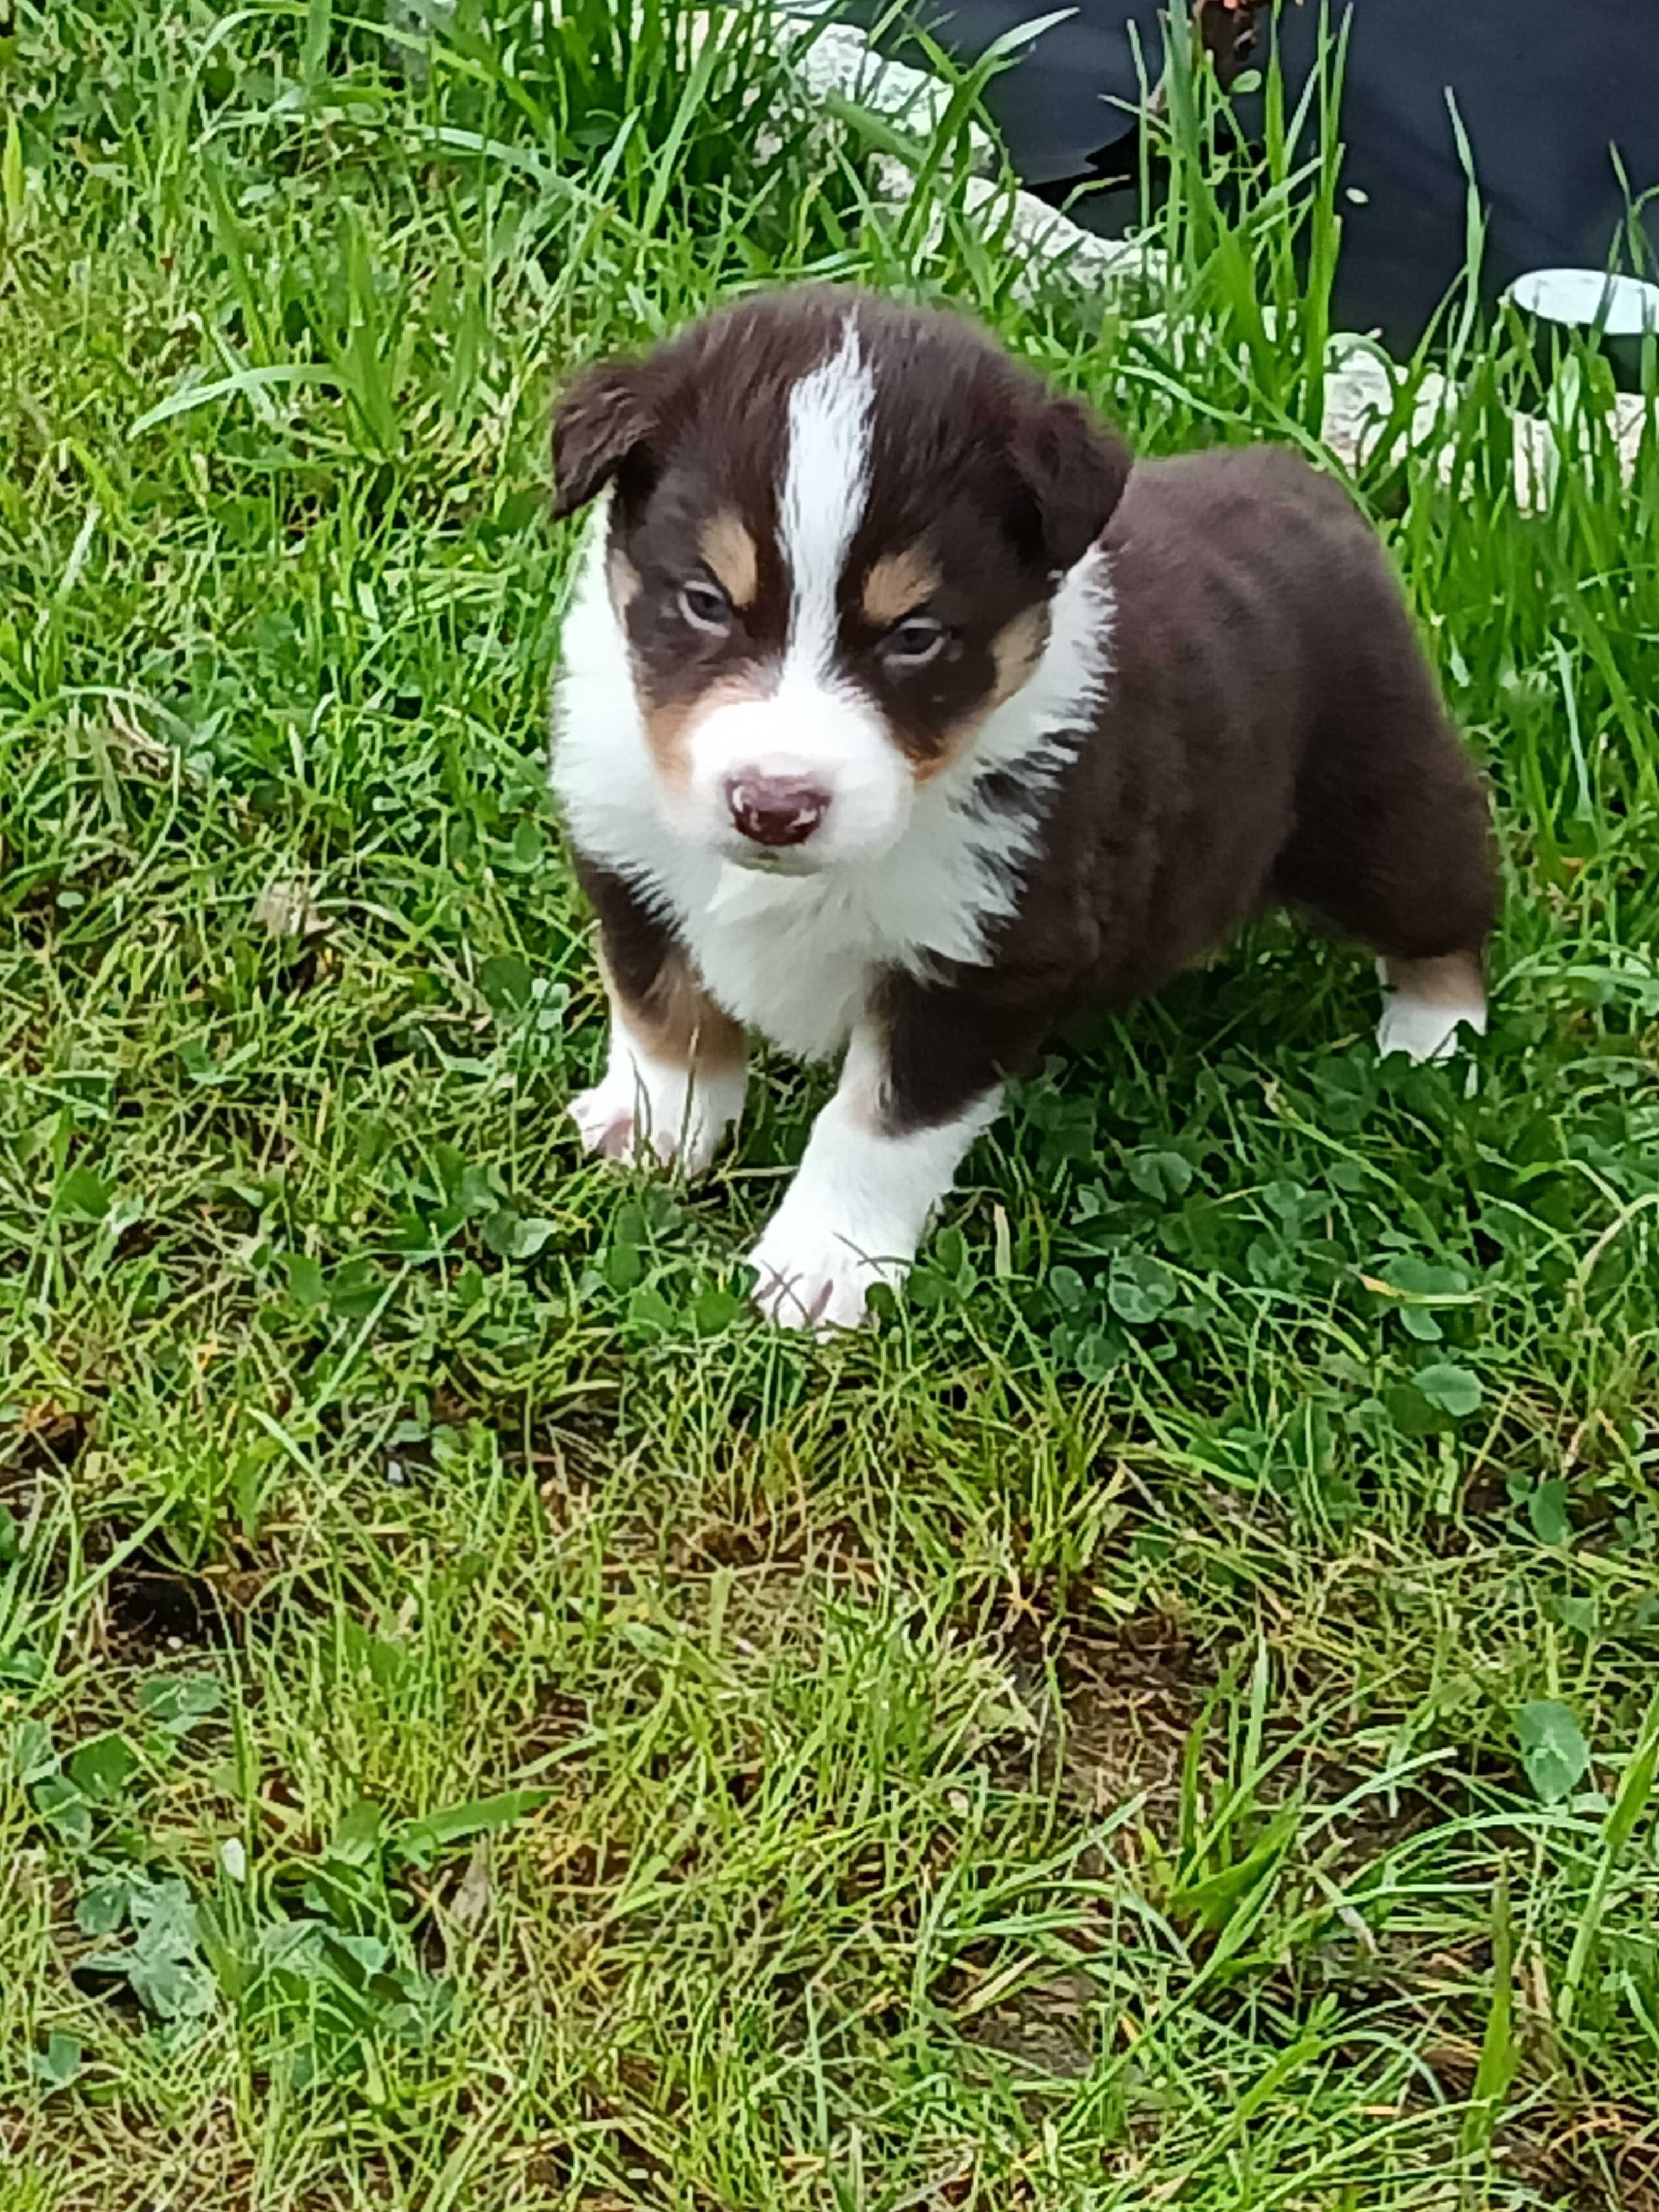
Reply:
x=825, y=483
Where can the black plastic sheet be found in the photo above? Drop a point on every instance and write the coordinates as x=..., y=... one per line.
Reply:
x=1545, y=88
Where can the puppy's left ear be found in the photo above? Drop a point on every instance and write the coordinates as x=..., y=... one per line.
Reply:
x=1075, y=469
x=604, y=416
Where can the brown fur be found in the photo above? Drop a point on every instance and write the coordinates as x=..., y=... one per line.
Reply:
x=1272, y=735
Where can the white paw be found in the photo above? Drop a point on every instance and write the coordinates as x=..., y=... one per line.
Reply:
x=1423, y=1031
x=1426, y=1002
x=814, y=1275
x=638, y=1113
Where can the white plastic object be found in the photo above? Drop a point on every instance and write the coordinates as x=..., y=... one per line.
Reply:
x=1623, y=306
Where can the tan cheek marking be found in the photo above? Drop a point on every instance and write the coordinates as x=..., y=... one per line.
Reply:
x=623, y=578
x=897, y=583
x=1015, y=651
x=678, y=1020
x=670, y=727
x=730, y=552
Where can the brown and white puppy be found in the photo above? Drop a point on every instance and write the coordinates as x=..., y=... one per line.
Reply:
x=897, y=717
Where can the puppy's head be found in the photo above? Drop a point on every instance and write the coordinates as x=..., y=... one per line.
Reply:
x=836, y=527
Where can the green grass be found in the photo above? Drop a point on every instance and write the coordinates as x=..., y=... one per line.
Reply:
x=1166, y=1718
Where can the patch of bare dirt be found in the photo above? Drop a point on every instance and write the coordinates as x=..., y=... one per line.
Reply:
x=1597, y=2157
x=1128, y=1696
x=47, y=1441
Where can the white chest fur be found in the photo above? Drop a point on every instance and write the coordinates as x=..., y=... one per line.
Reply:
x=793, y=956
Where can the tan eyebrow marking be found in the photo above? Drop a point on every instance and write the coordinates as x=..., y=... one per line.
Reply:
x=896, y=583
x=730, y=552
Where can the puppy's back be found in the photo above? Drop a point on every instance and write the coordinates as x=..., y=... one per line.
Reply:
x=1260, y=642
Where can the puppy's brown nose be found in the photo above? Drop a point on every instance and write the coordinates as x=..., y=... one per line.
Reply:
x=776, y=810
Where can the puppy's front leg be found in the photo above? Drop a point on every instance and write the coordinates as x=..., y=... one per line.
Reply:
x=675, y=1072
x=862, y=1197
x=923, y=1077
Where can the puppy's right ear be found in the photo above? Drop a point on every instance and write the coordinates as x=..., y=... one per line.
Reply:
x=606, y=416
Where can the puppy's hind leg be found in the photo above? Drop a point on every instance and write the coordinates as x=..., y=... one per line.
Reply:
x=1426, y=1002
x=1394, y=846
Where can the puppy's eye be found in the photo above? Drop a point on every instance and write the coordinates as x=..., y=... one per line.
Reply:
x=705, y=606
x=913, y=642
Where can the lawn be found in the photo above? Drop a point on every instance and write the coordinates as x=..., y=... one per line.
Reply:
x=1166, y=1716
